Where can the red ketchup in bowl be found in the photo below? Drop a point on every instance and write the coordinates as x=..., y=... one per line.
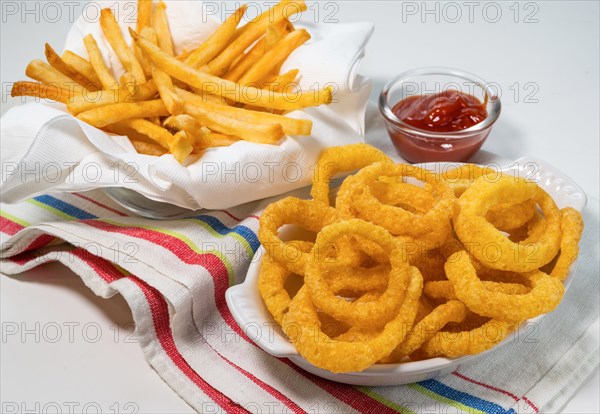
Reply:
x=447, y=111
x=435, y=126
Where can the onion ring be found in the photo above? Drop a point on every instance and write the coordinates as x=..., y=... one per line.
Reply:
x=460, y=178
x=302, y=327
x=545, y=295
x=452, y=311
x=475, y=231
x=358, y=314
x=356, y=200
x=475, y=341
x=572, y=228
x=335, y=160
x=509, y=216
x=271, y=283
x=443, y=290
x=408, y=196
x=310, y=215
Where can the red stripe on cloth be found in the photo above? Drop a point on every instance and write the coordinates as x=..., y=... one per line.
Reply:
x=179, y=248
x=23, y=258
x=230, y=215
x=9, y=227
x=289, y=403
x=104, y=206
x=105, y=269
x=215, y=267
x=160, y=317
x=532, y=405
x=234, y=217
x=345, y=393
x=40, y=242
x=489, y=387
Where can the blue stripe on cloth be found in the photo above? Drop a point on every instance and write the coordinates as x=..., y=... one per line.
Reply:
x=223, y=230
x=464, y=398
x=65, y=207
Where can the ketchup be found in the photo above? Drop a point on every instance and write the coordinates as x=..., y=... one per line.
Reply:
x=447, y=111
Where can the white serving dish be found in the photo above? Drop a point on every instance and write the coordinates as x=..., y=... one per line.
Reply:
x=248, y=309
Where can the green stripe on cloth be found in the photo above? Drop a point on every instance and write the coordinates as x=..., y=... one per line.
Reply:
x=218, y=235
x=185, y=240
x=50, y=209
x=14, y=219
x=369, y=392
x=444, y=400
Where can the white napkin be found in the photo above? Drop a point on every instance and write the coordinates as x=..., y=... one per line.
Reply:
x=44, y=149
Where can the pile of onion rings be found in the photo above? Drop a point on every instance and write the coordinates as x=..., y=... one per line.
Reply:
x=407, y=264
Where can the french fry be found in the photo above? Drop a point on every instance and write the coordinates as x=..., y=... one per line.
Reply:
x=227, y=89
x=259, y=133
x=127, y=83
x=278, y=83
x=144, y=14
x=275, y=32
x=60, y=65
x=291, y=126
x=163, y=82
x=240, y=66
x=199, y=135
x=281, y=82
x=43, y=72
x=177, y=144
x=155, y=120
x=147, y=148
x=289, y=25
x=40, y=90
x=112, y=114
x=143, y=61
x=274, y=57
x=115, y=38
x=289, y=7
x=136, y=137
x=144, y=19
x=160, y=24
x=217, y=41
x=251, y=32
x=145, y=91
x=221, y=140
x=183, y=122
x=185, y=54
x=97, y=61
x=82, y=66
x=248, y=59
x=105, y=97
x=218, y=112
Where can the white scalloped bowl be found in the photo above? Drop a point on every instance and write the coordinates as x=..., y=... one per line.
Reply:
x=249, y=311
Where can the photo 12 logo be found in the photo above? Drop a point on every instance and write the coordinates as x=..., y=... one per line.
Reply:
x=64, y=11
x=470, y=12
x=315, y=11
x=70, y=407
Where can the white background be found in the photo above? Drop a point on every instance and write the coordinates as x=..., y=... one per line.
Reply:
x=544, y=55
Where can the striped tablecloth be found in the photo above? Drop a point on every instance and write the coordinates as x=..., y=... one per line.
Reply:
x=174, y=274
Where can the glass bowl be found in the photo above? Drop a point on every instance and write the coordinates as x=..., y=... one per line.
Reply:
x=419, y=145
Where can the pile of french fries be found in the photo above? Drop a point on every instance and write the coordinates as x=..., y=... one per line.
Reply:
x=227, y=89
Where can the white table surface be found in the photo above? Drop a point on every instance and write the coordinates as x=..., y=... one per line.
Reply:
x=77, y=353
